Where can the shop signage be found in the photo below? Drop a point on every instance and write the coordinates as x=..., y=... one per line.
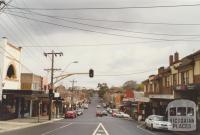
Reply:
x=182, y=115
x=187, y=87
x=163, y=96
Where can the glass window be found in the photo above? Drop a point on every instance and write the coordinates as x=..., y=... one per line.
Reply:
x=190, y=111
x=181, y=111
x=172, y=111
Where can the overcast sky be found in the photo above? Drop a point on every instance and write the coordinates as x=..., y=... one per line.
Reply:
x=128, y=54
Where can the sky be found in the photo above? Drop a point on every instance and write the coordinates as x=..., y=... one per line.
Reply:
x=117, y=51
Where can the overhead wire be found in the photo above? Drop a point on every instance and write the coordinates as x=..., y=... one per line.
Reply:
x=103, y=27
x=98, y=32
x=112, y=21
x=113, y=8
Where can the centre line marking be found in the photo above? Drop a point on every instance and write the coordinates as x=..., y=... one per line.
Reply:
x=56, y=129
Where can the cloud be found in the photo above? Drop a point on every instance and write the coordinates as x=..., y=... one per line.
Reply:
x=120, y=59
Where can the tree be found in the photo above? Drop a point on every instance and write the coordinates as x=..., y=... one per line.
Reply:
x=131, y=85
x=103, y=87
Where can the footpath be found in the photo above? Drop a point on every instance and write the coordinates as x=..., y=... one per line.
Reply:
x=21, y=123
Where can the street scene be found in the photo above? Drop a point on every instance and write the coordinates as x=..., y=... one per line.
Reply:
x=103, y=67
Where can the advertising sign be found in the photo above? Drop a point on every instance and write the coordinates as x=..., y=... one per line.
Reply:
x=182, y=115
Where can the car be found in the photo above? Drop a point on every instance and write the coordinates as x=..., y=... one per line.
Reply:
x=104, y=113
x=79, y=112
x=99, y=114
x=104, y=105
x=70, y=114
x=114, y=112
x=109, y=110
x=157, y=122
x=125, y=115
x=85, y=106
x=98, y=106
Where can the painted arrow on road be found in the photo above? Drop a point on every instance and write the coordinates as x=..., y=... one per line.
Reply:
x=100, y=130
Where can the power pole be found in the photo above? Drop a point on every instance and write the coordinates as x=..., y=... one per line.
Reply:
x=72, y=98
x=52, y=69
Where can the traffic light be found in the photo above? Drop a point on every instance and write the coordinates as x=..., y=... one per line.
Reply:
x=91, y=73
x=51, y=94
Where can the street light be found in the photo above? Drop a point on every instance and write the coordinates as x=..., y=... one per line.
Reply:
x=68, y=66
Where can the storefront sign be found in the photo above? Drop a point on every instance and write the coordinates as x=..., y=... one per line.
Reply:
x=162, y=96
x=182, y=115
x=187, y=87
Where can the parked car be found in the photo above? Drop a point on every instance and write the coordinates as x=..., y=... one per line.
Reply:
x=98, y=106
x=104, y=113
x=79, y=112
x=104, y=105
x=122, y=115
x=99, y=114
x=70, y=114
x=157, y=122
x=109, y=110
x=114, y=112
x=85, y=106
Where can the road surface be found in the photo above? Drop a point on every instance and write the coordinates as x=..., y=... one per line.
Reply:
x=89, y=124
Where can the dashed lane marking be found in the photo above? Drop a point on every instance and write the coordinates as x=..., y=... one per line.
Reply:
x=100, y=130
x=56, y=129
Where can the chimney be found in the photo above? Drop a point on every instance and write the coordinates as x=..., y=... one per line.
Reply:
x=176, y=57
x=171, y=60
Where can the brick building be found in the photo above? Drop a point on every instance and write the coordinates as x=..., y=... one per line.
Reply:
x=180, y=80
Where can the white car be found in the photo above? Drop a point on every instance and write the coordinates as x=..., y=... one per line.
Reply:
x=85, y=106
x=122, y=115
x=98, y=106
x=157, y=122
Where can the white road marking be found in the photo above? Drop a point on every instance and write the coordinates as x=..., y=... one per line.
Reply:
x=56, y=129
x=104, y=130
x=139, y=127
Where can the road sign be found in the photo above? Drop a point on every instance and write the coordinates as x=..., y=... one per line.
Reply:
x=100, y=130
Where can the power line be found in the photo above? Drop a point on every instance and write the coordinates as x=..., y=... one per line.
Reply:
x=92, y=31
x=112, y=8
x=113, y=21
x=96, y=45
x=126, y=74
x=103, y=27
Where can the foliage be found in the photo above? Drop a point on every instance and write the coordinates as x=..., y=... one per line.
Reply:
x=103, y=87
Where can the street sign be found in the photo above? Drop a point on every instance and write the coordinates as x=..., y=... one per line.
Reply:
x=100, y=130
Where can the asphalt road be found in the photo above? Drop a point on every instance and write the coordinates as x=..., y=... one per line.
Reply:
x=89, y=124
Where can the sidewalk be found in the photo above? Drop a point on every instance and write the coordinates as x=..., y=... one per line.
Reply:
x=21, y=123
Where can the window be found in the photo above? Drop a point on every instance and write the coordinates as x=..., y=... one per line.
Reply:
x=168, y=83
x=185, y=77
x=181, y=111
x=173, y=111
x=190, y=111
x=11, y=73
x=174, y=79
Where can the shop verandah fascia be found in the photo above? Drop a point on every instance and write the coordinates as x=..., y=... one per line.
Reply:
x=23, y=103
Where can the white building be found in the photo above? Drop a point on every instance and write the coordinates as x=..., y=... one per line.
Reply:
x=10, y=67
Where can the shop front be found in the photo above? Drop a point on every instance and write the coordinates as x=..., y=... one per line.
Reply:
x=22, y=103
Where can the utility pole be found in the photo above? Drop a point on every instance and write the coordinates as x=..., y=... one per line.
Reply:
x=72, y=98
x=52, y=69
